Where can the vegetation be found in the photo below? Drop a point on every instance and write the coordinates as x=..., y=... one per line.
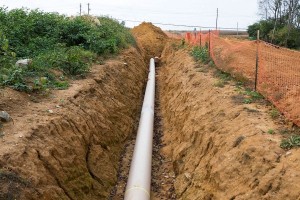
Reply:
x=251, y=96
x=60, y=47
x=292, y=141
x=271, y=131
x=280, y=24
x=274, y=113
x=200, y=54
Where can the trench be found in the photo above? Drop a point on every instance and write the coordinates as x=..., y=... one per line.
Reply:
x=163, y=176
x=207, y=144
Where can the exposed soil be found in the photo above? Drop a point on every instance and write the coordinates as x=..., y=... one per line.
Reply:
x=78, y=143
x=151, y=40
x=221, y=149
x=72, y=151
x=162, y=185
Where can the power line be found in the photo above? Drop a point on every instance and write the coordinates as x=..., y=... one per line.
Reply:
x=183, y=25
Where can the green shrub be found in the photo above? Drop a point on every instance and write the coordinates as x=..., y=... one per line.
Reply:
x=292, y=141
x=15, y=79
x=54, y=41
x=200, y=54
x=72, y=61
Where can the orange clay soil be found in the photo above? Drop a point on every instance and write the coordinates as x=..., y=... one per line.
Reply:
x=220, y=147
x=72, y=153
x=151, y=40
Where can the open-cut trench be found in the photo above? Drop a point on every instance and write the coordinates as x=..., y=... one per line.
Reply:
x=207, y=143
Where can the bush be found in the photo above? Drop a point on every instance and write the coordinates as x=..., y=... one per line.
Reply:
x=54, y=41
x=200, y=54
x=292, y=141
x=72, y=61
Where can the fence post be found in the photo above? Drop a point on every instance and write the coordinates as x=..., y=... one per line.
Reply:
x=256, y=67
x=209, y=43
x=200, y=37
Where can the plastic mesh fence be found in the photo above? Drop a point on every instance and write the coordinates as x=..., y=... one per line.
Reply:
x=278, y=68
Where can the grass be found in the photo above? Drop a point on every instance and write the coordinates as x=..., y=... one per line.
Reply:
x=251, y=96
x=220, y=84
x=274, y=113
x=271, y=131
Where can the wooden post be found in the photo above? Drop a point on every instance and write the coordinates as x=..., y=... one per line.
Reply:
x=80, y=9
x=209, y=43
x=89, y=8
x=256, y=67
x=200, y=37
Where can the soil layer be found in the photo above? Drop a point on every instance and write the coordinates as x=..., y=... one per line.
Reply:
x=221, y=148
x=68, y=145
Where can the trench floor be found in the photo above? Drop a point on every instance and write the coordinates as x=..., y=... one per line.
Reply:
x=163, y=176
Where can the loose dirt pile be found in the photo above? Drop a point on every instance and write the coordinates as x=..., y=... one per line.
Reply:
x=151, y=40
x=221, y=148
x=68, y=145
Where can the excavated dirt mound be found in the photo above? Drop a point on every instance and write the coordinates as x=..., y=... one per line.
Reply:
x=151, y=39
x=68, y=145
x=221, y=148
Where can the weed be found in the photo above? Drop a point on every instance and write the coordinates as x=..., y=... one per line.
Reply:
x=292, y=141
x=61, y=85
x=251, y=96
x=274, y=113
x=247, y=101
x=220, y=84
x=54, y=41
x=200, y=54
x=271, y=131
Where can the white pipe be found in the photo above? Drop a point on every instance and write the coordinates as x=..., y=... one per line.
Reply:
x=139, y=180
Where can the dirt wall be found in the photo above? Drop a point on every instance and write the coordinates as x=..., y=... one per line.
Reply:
x=220, y=148
x=151, y=40
x=72, y=151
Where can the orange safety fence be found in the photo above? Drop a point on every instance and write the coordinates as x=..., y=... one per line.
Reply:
x=278, y=75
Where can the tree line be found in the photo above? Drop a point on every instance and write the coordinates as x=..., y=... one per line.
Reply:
x=280, y=23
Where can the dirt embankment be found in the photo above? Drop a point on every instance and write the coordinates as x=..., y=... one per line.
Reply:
x=68, y=145
x=151, y=40
x=220, y=147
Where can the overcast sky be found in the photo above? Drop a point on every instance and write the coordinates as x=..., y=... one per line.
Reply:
x=187, y=12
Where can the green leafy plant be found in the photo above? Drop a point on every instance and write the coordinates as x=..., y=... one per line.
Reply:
x=54, y=42
x=274, y=113
x=200, y=54
x=251, y=96
x=292, y=141
x=271, y=131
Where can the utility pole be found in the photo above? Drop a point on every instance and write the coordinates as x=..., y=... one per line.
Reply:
x=266, y=14
x=217, y=18
x=89, y=8
x=237, y=28
x=80, y=9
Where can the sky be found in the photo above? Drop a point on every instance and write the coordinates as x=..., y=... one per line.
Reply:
x=194, y=13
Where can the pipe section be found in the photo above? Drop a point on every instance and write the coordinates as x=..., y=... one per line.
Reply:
x=139, y=180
